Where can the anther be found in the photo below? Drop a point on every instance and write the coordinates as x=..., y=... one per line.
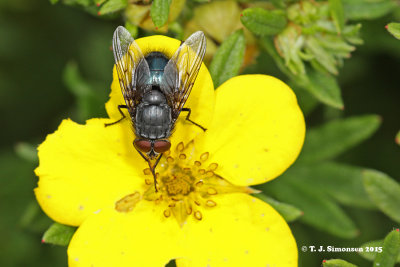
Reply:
x=197, y=163
x=211, y=191
x=198, y=215
x=147, y=171
x=197, y=203
x=213, y=166
x=204, y=156
x=167, y=213
x=170, y=160
x=211, y=203
x=209, y=174
x=182, y=156
x=171, y=205
x=202, y=171
x=199, y=183
x=148, y=181
x=180, y=147
x=189, y=210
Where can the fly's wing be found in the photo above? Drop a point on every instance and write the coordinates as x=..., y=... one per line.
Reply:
x=181, y=71
x=133, y=70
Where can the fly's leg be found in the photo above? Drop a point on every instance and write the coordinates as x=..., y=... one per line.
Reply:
x=188, y=118
x=153, y=171
x=152, y=168
x=120, y=111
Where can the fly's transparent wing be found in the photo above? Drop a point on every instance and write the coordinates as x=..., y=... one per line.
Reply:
x=181, y=71
x=133, y=70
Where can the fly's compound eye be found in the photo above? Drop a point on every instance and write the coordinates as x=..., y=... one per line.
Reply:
x=162, y=146
x=142, y=145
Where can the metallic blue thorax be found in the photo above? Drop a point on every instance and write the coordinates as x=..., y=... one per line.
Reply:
x=157, y=62
x=153, y=115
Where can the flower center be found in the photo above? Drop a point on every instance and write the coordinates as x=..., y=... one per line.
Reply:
x=187, y=182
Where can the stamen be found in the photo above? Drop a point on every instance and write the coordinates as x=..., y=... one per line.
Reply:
x=201, y=171
x=167, y=213
x=147, y=171
x=204, y=156
x=199, y=183
x=189, y=210
x=213, y=166
x=182, y=156
x=211, y=203
x=197, y=163
x=209, y=174
x=211, y=191
x=148, y=181
x=170, y=160
x=198, y=215
x=180, y=147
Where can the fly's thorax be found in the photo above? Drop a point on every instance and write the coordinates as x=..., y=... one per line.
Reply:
x=154, y=97
x=157, y=62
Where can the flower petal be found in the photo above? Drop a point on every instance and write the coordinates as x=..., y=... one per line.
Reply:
x=239, y=231
x=257, y=131
x=86, y=167
x=143, y=237
x=201, y=99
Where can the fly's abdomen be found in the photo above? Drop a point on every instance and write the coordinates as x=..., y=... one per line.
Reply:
x=153, y=121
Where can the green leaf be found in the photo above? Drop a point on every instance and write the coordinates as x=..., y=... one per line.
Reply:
x=27, y=152
x=323, y=86
x=370, y=250
x=267, y=43
x=307, y=102
x=87, y=100
x=390, y=250
x=263, y=22
x=159, y=12
x=332, y=138
x=132, y=28
x=58, y=234
x=53, y=2
x=84, y=3
x=289, y=212
x=319, y=210
x=337, y=13
x=394, y=29
x=342, y=182
x=384, y=192
x=228, y=58
x=361, y=9
x=337, y=263
x=99, y=2
x=112, y=6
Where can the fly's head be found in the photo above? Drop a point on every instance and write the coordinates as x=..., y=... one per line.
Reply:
x=152, y=147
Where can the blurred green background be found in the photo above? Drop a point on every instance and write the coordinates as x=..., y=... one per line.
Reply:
x=38, y=40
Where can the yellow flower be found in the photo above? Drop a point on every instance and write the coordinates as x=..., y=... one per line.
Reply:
x=92, y=177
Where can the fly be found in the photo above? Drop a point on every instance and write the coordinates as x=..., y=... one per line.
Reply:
x=155, y=89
